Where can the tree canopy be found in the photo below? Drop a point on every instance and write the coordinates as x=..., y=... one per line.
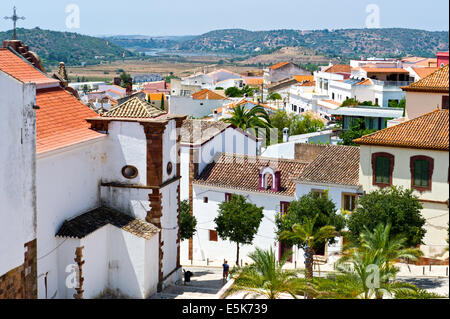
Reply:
x=321, y=209
x=395, y=206
x=296, y=123
x=238, y=221
x=357, y=130
x=188, y=223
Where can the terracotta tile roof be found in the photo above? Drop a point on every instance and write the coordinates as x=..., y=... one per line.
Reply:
x=134, y=108
x=254, y=81
x=383, y=70
x=303, y=78
x=83, y=225
x=22, y=70
x=241, y=172
x=61, y=120
x=424, y=72
x=334, y=165
x=436, y=81
x=365, y=82
x=207, y=95
x=429, y=131
x=431, y=62
x=338, y=68
x=279, y=65
x=198, y=132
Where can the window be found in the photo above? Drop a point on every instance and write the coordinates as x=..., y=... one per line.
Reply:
x=130, y=172
x=349, y=202
x=318, y=192
x=382, y=167
x=169, y=168
x=421, y=172
x=205, y=200
x=284, y=206
x=228, y=197
x=213, y=236
x=445, y=102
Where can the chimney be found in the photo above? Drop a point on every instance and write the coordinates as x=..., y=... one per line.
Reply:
x=286, y=135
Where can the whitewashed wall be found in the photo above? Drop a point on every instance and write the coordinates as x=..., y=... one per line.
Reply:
x=68, y=184
x=17, y=170
x=437, y=215
x=205, y=213
x=115, y=260
x=126, y=145
x=230, y=141
x=196, y=108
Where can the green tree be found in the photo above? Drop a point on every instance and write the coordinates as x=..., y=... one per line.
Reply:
x=238, y=221
x=357, y=130
x=274, y=97
x=188, y=223
x=265, y=277
x=395, y=206
x=295, y=123
x=310, y=237
x=243, y=118
x=310, y=207
x=126, y=79
x=372, y=259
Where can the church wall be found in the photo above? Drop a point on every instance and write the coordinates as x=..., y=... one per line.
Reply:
x=68, y=184
x=17, y=189
x=127, y=145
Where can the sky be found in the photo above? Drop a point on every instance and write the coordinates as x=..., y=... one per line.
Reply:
x=195, y=17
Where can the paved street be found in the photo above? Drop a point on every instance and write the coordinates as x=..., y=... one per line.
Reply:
x=205, y=284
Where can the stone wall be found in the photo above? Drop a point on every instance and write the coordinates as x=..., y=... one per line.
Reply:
x=21, y=282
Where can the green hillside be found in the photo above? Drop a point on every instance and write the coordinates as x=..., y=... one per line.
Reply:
x=71, y=48
x=344, y=43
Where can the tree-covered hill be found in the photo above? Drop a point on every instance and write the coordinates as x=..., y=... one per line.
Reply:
x=71, y=48
x=345, y=43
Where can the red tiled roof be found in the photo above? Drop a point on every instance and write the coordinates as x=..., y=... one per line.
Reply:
x=436, y=81
x=21, y=69
x=383, y=70
x=423, y=72
x=207, y=95
x=429, y=131
x=279, y=65
x=242, y=172
x=334, y=165
x=61, y=120
x=338, y=68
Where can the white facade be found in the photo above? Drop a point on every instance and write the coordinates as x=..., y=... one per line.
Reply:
x=17, y=170
x=194, y=108
x=231, y=140
x=435, y=208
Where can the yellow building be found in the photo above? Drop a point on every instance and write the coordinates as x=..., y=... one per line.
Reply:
x=414, y=155
x=427, y=94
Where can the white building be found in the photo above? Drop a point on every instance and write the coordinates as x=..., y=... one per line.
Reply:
x=18, y=257
x=201, y=104
x=108, y=189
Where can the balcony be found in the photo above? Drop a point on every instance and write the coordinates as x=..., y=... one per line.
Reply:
x=391, y=83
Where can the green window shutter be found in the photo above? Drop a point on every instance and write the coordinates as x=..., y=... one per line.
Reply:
x=382, y=169
x=421, y=173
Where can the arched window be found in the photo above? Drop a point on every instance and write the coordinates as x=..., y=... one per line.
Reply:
x=264, y=175
x=382, y=168
x=422, y=168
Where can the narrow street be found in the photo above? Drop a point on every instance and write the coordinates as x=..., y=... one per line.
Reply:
x=205, y=284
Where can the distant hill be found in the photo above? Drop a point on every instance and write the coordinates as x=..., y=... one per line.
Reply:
x=345, y=43
x=143, y=43
x=71, y=48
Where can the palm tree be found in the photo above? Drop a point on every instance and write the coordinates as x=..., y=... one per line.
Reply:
x=244, y=119
x=372, y=262
x=313, y=238
x=265, y=277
